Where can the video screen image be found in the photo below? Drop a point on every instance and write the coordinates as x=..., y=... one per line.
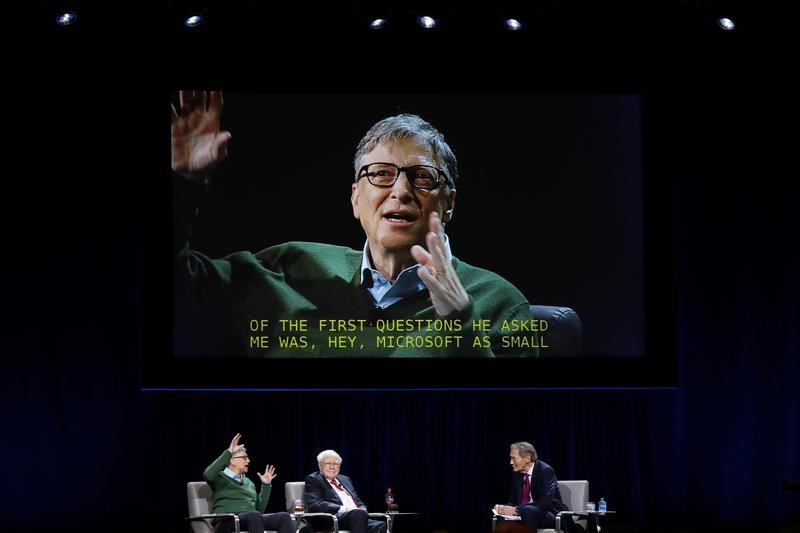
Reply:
x=391, y=227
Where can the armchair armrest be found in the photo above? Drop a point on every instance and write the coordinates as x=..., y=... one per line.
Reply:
x=386, y=516
x=205, y=517
x=558, y=518
x=335, y=520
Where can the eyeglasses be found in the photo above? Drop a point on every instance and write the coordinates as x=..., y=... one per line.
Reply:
x=331, y=464
x=385, y=175
x=241, y=457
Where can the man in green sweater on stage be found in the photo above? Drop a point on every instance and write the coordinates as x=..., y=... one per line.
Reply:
x=233, y=492
x=403, y=295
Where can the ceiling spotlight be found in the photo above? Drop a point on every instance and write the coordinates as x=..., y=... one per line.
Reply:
x=193, y=21
x=378, y=23
x=512, y=24
x=67, y=18
x=427, y=22
x=726, y=24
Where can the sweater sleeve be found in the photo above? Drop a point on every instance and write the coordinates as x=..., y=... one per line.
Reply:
x=190, y=264
x=214, y=470
x=203, y=321
x=263, y=497
x=498, y=313
x=186, y=200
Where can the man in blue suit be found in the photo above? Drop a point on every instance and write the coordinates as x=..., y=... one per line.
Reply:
x=535, y=497
x=328, y=491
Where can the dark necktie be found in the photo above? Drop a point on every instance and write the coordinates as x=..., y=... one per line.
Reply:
x=526, y=490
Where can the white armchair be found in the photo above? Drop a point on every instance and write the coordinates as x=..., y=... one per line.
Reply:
x=198, y=495
x=574, y=494
x=295, y=491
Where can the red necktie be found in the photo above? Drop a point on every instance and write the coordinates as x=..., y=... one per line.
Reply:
x=526, y=490
x=341, y=487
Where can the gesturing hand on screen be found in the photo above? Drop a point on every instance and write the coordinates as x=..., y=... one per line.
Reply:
x=197, y=144
x=437, y=273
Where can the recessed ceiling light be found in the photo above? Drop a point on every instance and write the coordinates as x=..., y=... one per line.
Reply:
x=726, y=24
x=378, y=23
x=67, y=18
x=426, y=21
x=192, y=21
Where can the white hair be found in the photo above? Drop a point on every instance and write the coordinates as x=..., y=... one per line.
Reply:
x=322, y=455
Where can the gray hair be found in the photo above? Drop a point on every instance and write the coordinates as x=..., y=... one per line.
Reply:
x=407, y=126
x=525, y=449
x=322, y=455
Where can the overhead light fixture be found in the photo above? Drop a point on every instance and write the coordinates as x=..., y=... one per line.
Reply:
x=512, y=24
x=190, y=14
x=427, y=22
x=194, y=20
x=726, y=23
x=67, y=18
x=378, y=23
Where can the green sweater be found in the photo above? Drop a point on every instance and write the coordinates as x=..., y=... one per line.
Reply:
x=242, y=304
x=230, y=496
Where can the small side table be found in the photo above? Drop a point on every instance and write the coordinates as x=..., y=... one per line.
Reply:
x=591, y=518
x=390, y=517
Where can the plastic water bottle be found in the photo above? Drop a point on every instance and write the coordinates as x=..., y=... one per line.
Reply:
x=601, y=506
x=389, y=500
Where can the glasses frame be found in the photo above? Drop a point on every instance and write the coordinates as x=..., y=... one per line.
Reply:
x=329, y=463
x=245, y=456
x=440, y=174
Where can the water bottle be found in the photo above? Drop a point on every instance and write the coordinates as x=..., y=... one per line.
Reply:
x=601, y=506
x=389, y=500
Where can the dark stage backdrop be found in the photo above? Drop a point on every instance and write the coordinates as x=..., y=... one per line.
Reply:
x=84, y=448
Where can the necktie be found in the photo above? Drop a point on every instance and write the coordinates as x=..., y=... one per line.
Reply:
x=341, y=487
x=526, y=490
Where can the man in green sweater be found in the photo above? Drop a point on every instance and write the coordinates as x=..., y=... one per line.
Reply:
x=233, y=492
x=403, y=295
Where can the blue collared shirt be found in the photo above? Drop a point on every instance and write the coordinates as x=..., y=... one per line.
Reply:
x=233, y=475
x=383, y=291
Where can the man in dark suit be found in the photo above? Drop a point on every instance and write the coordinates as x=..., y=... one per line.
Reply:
x=328, y=491
x=535, y=497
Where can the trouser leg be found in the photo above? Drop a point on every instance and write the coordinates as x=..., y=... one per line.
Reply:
x=280, y=522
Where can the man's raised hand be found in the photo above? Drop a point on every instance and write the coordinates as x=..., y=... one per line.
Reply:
x=197, y=144
x=437, y=273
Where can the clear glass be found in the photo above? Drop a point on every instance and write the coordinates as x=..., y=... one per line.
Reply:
x=590, y=508
x=298, y=506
